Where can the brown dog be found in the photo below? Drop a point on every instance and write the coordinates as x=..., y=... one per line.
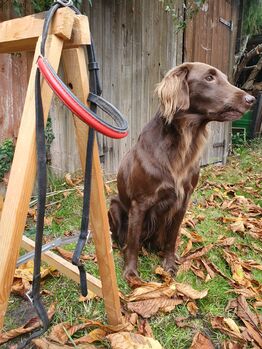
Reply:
x=158, y=175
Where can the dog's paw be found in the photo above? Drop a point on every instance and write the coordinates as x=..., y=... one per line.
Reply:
x=170, y=265
x=132, y=277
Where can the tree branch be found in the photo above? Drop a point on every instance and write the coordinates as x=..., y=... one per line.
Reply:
x=255, y=51
x=248, y=85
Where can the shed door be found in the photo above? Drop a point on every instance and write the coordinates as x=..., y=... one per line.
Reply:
x=210, y=38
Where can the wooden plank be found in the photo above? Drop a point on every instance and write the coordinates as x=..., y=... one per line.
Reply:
x=75, y=68
x=21, y=34
x=22, y=176
x=65, y=267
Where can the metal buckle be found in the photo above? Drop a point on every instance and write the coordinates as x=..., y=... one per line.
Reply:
x=29, y=295
x=64, y=2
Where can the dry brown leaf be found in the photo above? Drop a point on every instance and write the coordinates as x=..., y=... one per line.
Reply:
x=199, y=252
x=219, y=323
x=31, y=325
x=60, y=332
x=69, y=181
x=209, y=270
x=233, y=345
x=198, y=272
x=25, y=271
x=144, y=329
x=165, y=275
x=255, y=334
x=237, y=227
x=190, y=292
x=96, y=335
x=232, y=325
x=201, y=341
x=192, y=308
x=126, y=340
x=187, y=249
x=68, y=255
x=151, y=290
x=149, y=307
x=46, y=344
x=223, y=241
x=244, y=312
x=184, y=267
x=91, y=295
x=20, y=287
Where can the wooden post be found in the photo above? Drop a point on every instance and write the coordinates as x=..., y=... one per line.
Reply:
x=74, y=61
x=22, y=176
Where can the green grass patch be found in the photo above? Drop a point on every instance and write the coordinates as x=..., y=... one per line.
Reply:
x=242, y=175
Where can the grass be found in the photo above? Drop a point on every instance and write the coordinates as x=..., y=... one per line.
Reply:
x=242, y=173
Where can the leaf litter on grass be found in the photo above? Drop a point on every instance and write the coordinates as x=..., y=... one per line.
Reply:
x=238, y=234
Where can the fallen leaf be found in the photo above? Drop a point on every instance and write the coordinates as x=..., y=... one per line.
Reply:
x=126, y=340
x=68, y=179
x=46, y=344
x=144, y=328
x=90, y=295
x=237, y=227
x=192, y=308
x=219, y=323
x=199, y=252
x=151, y=290
x=59, y=333
x=190, y=292
x=187, y=249
x=232, y=325
x=149, y=307
x=96, y=335
x=244, y=312
x=201, y=341
x=25, y=271
x=31, y=325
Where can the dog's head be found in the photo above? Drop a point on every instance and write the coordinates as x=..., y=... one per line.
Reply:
x=201, y=89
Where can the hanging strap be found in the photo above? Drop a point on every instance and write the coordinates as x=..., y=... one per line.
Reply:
x=89, y=116
x=95, y=89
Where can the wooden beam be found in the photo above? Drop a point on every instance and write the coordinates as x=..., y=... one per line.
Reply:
x=76, y=74
x=65, y=267
x=22, y=176
x=21, y=34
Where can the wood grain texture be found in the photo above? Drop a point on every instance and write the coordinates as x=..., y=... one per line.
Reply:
x=21, y=34
x=76, y=74
x=22, y=176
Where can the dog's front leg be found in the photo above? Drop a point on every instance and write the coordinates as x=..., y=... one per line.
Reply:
x=172, y=231
x=135, y=222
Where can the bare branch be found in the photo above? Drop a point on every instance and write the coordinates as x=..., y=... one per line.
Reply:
x=248, y=85
x=254, y=52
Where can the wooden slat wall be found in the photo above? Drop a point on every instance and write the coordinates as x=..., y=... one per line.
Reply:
x=136, y=44
x=209, y=41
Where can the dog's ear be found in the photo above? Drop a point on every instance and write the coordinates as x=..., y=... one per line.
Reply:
x=173, y=92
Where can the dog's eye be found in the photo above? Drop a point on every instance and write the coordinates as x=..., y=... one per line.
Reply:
x=209, y=78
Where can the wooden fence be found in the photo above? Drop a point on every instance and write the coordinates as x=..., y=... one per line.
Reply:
x=136, y=43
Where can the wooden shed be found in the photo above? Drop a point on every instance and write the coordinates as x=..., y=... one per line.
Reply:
x=136, y=43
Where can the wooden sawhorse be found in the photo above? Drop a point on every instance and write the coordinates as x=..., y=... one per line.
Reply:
x=71, y=32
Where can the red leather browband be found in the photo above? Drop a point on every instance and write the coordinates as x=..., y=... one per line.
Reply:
x=77, y=107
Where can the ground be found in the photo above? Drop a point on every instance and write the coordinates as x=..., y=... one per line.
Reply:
x=220, y=245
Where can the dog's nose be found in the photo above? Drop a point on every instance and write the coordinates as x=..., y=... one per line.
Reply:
x=249, y=99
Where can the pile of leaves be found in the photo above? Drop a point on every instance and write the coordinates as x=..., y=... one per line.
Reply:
x=215, y=300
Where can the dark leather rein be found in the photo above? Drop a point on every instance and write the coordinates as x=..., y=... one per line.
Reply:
x=87, y=115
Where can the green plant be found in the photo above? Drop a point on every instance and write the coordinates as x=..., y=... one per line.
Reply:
x=191, y=8
x=6, y=157
x=252, y=21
